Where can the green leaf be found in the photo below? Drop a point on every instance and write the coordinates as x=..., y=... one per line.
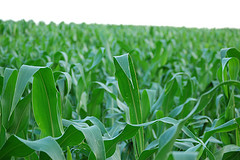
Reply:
x=60, y=56
x=67, y=110
x=226, y=127
x=69, y=155
x=131, y=129
x=21, y=115
x=74, y=135
x=233, y=68
x=68, y=82
x=10, y=78
x=128, y=85
x=128, y=132
x=167, y=140
x=177, y=110
x=25, y=74
x=149, y=150
x=170, y=91
x=97, y=59
x=2, y=136
x=120, y=104
x=18, y=147
x=207, y=96
x=228, y=152
x=93, y=107
x=230, y=52
x=145, y=102
x=45, y=103
x=147, y=153
x=124, y=46
x=76, y=132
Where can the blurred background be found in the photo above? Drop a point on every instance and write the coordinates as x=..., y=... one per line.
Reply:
x=178, y=13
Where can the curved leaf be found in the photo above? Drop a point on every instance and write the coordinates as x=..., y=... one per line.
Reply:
x=25, y=74
x=18, y=147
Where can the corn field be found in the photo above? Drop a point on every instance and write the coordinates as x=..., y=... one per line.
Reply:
x=108, y=92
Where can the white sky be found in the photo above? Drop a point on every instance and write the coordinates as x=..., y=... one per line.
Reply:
x=188, y=13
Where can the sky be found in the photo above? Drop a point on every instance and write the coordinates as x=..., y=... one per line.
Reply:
x=178, y=13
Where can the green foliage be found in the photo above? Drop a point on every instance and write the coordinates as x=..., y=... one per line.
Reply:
x=174, y=93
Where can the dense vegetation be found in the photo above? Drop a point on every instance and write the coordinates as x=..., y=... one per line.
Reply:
x=100, y=92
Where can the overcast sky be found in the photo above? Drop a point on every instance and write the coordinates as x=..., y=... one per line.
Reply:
x=188, y=13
